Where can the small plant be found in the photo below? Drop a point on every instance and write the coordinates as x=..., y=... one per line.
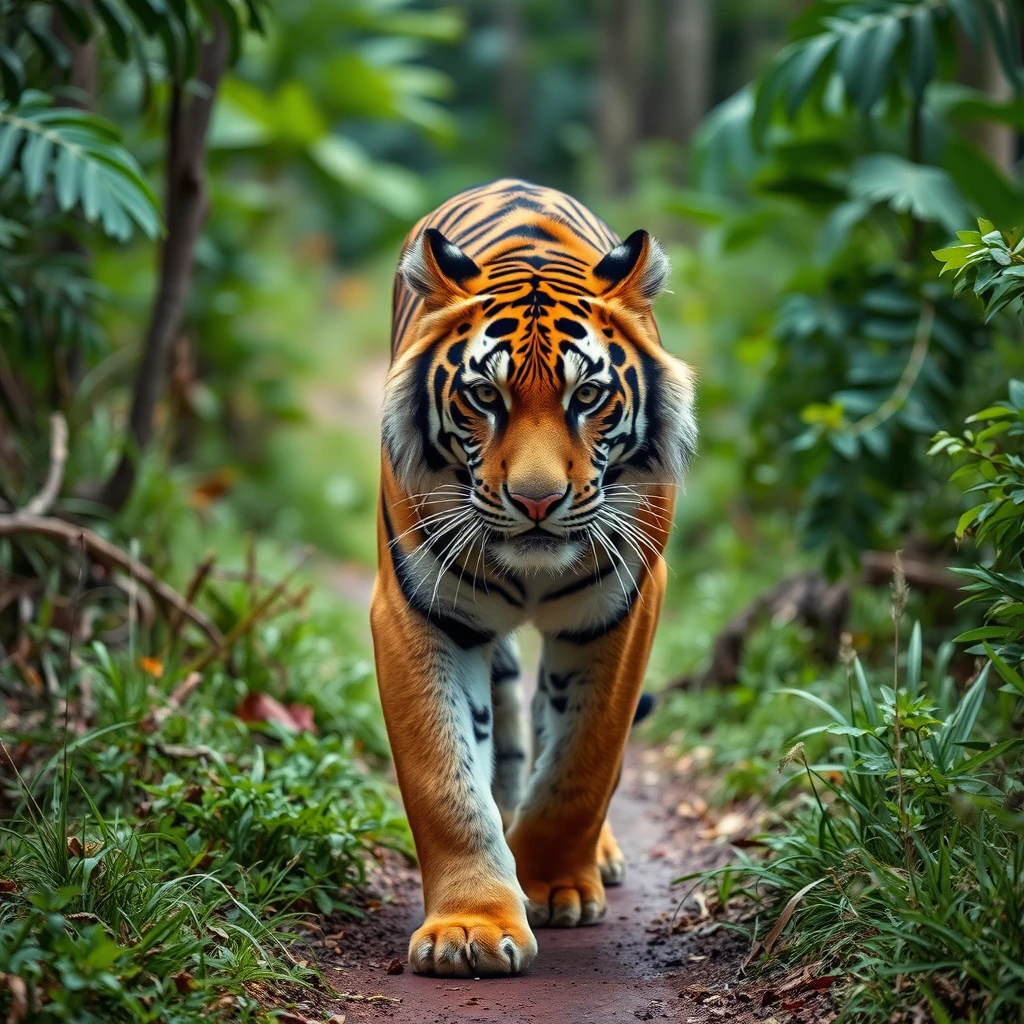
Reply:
x=992, y=447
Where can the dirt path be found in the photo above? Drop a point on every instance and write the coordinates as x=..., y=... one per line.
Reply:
x=627, y=968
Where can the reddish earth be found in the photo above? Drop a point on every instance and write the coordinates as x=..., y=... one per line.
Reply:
x=629, y=967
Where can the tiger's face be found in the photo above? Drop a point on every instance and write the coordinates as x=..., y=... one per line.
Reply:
x=535, y=405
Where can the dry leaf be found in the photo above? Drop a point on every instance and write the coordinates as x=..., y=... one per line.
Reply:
x=184, y=983
x=8, y=886
x=224, y=1002
x=826, y=981
x=261, y=707
x=75, y=847
x=787, y=913
x=729, y=826
x=293, y=1017
x=396, y=966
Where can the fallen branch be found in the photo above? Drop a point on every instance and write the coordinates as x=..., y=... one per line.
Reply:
x=878, y=567
x=807, y=596
x=110, y=556
x=43, y=501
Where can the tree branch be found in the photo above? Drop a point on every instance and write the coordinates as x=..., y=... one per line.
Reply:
x=43, y=501
x=185, y=212
x=110, y=556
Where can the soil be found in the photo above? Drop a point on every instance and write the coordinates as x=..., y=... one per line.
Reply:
x=632, y=966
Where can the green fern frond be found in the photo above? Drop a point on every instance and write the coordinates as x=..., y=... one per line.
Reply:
x=80, y=155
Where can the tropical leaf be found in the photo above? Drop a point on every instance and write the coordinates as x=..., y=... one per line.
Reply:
x=924, y=191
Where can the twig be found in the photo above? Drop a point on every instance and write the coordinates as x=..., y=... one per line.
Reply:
x=358, y=997
x=896, y=401
x=202, y=570
x=878, y=566
x=243, y=625
x=43, y=501
x=185, y=211
x=178, y=751
x=108, y=554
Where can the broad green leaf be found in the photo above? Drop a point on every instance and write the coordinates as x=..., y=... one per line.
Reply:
x=805, y=68
x=926, y=192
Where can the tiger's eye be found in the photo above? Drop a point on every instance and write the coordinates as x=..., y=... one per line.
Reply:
x=588, y=394
x=485, y=393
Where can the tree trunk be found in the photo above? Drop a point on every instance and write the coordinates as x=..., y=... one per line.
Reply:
x=186, y=207
x=514, y=95
x=620, y=79
x=689, y=68
x=981, y=70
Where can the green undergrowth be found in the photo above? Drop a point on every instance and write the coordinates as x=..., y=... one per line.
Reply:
x=176, y=813
x=901, y=867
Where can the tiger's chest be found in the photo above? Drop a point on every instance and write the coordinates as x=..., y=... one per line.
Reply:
x=579, y=604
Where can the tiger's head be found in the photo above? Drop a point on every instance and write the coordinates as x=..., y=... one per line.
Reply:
x=536, y=399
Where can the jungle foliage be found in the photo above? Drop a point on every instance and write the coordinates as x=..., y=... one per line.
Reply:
x=200, y=203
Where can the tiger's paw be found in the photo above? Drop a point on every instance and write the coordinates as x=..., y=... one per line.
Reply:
x=574, y=898
x=465, y=945
x=610, y=860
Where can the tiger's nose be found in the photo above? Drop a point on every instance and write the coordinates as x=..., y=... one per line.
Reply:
x=537, y=507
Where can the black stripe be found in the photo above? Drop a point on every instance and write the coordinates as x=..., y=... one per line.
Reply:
x=581, y=584
x=461, y=633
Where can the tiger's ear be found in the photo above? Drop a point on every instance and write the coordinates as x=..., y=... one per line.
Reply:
x=635, y=270
x=436, y=268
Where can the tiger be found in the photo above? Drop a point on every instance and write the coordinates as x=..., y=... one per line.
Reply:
x=534, y=433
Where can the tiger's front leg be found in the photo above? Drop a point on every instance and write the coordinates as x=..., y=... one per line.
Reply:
x=437, y=707
x=586, y=705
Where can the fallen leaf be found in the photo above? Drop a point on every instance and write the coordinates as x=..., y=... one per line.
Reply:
x=692, y=809
x=787, y=913
x=292, y=1017
x=794, y=1004
x=153, y=666
x=75, y=847
x=261, y=707
x=224, y=1002
x=729, y=826
x=396, y=966
x=799, y=980
x=8, y=886
x=302, y=716
x=19, y=997
x=184, y=983
x=826, y=981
